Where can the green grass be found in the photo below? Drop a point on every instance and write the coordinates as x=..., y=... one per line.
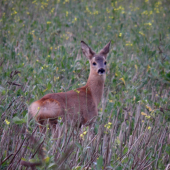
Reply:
x=40, y=53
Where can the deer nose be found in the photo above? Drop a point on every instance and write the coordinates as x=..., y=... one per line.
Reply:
x=101, y=70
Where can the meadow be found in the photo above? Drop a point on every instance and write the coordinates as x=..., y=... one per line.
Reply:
x=40, y=53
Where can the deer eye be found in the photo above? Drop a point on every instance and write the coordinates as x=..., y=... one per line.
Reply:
x=105, y=63
x=94, y=63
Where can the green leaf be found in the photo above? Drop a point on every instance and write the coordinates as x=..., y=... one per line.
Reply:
x=125, y=150
x=156, y=41
x=52, y=165
x=99, y=163
x=18, y=121
x=168, y=150
x=49, y=86
x=119, y=168
x=79, y=146
x=23, y=159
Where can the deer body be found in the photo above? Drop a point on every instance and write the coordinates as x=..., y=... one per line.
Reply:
x=78, y=105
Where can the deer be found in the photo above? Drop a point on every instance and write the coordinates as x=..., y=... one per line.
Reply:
x=79, y=106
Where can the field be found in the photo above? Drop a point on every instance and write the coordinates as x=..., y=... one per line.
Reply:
x=40, y=53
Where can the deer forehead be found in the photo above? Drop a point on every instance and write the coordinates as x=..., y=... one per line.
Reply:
x=98, y=59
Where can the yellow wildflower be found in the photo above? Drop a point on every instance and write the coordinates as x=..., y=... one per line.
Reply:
x=148, y=117
x=123, y=80
x=85, y=132
x=144, y=114
x=141, y=33
x=48, y=22
x=108, y=125
x=149, y=128
x=7, y=122
x=47, y=159
x=107, y=10
x=129, y=44
x=149, y=24
x=66, y=13
x=149, y=108
x=148, y=68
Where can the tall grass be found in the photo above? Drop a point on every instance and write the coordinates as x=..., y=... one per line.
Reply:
x=40, y=53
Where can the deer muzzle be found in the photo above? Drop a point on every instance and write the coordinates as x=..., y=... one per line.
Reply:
x=101, y=71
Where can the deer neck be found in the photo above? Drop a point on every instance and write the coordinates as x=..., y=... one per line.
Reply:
x=95, y=84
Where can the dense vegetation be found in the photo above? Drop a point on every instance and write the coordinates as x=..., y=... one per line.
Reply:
x=40, y=53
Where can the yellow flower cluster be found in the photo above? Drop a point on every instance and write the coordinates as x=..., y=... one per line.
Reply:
x=66, y=1
x=65, y=36
x=149, y=24
x=119, y=8
x=111, y=17
x=149, y=127
x=123, y=80
x=14, y=13
x=147, y=13
x=90, y=26
x=56, y=78
x=107, y=10
x=48, y=22
x=17, y=18
x=135, y=9
x=128, y=44
x=77, y=91
x=149, y=108
x=95, y=12
x=83, y=134
x=110, y=101
x=32, y=32
x=75, y=19
x=109, y=27
x=141, y=33
x=33, y=2
x=43, y=5
x=158, y=7
x=52, y=10
x=108, y=125
x=7, y=122
x=146, y=116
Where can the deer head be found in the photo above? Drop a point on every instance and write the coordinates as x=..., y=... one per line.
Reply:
x=97, y=60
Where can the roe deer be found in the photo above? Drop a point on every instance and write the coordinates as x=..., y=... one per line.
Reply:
x=78, y=105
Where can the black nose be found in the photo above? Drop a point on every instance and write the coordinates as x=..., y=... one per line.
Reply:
x=101, y=70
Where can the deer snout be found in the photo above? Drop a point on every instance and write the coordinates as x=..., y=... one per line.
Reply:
x=101, y=71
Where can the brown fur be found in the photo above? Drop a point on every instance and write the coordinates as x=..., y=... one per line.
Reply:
x=78, y=105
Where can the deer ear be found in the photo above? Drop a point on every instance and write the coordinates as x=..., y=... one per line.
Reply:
x=87, y=51
x=105, y=50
